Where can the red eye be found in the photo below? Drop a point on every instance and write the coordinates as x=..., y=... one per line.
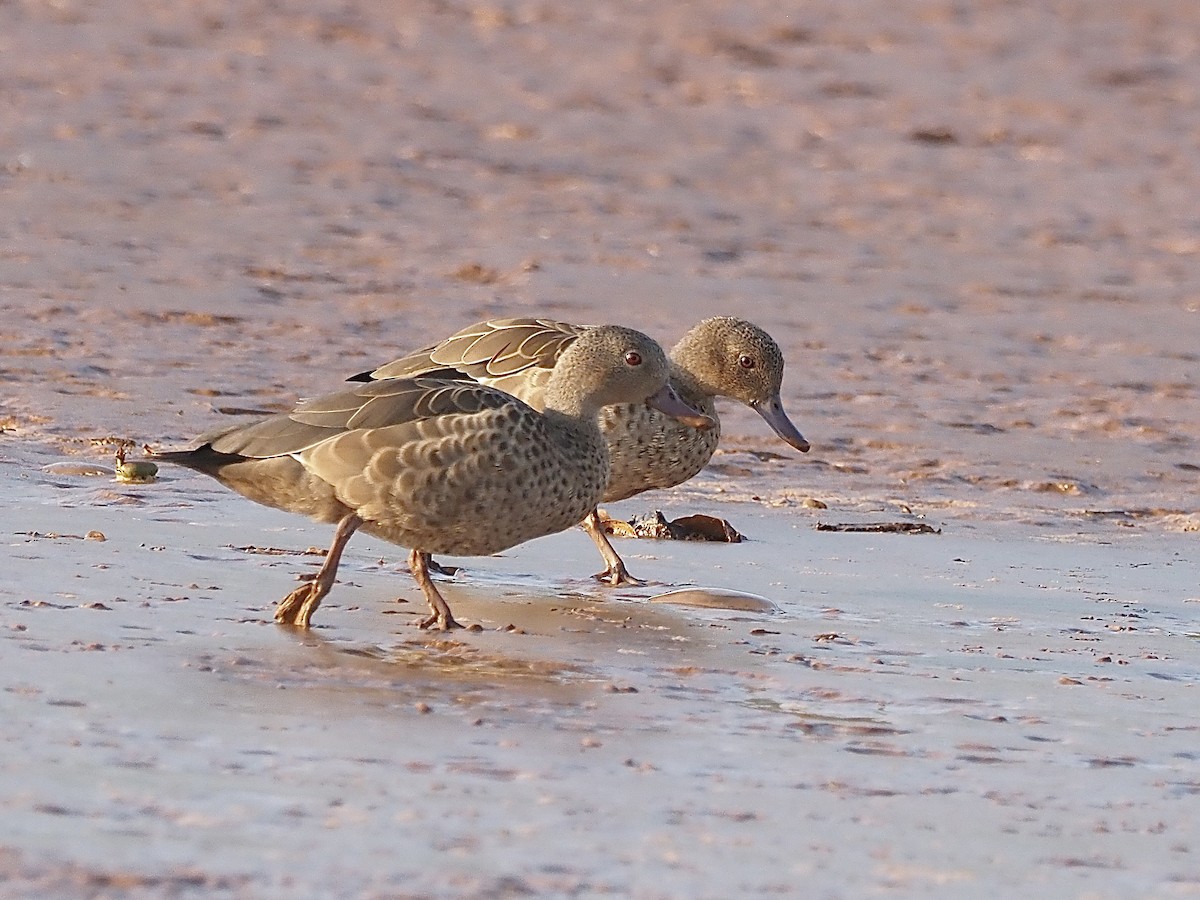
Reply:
x=746, y=362
x=633, y=358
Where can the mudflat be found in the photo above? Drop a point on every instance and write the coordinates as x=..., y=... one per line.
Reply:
x=971, y=228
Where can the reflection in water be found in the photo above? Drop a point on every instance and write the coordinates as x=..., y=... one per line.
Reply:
x=717, y=598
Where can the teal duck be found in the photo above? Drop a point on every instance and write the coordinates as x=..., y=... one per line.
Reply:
x=441, y=465
x=719, y=357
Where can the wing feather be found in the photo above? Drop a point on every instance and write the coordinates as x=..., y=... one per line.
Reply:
x=364, y=408
x=495, y=349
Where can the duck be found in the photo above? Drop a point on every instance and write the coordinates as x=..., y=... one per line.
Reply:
x=441, y=465
x=721, y=356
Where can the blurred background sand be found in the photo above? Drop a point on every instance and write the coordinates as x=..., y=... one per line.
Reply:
x=973, y=229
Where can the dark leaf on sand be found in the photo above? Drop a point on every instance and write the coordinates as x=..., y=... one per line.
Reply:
x=706, y=528
x=277, y=551
x=880, y=527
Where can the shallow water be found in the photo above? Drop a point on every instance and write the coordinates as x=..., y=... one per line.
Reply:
x=972, y=231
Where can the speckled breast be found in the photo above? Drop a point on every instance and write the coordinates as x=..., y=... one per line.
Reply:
x=483, y=490
x=649, y=450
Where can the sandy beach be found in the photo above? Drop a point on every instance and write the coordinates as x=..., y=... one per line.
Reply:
x=972, y=229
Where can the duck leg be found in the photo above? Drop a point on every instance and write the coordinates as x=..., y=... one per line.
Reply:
x=297, y=608
x=439, y=609
x=615, y=574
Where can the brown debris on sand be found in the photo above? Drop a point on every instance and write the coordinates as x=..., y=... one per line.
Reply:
x=655, y=526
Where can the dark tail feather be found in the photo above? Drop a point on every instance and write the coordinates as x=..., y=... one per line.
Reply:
x=202, y=459
x=448, y=373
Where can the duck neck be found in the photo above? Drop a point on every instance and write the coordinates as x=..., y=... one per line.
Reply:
x=570, y=404
x=580, y=431
x=691, y=388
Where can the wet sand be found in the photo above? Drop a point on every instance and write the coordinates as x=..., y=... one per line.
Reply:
x=972, y=230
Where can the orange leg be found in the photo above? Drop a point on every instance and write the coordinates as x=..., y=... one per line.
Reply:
x=439, y=609
x=615, y=574
x=297, y=608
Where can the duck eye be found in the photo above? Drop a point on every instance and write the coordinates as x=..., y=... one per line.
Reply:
x=633, y=358
x=746, y=362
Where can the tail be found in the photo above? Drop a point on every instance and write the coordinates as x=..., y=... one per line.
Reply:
x=202, y=459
